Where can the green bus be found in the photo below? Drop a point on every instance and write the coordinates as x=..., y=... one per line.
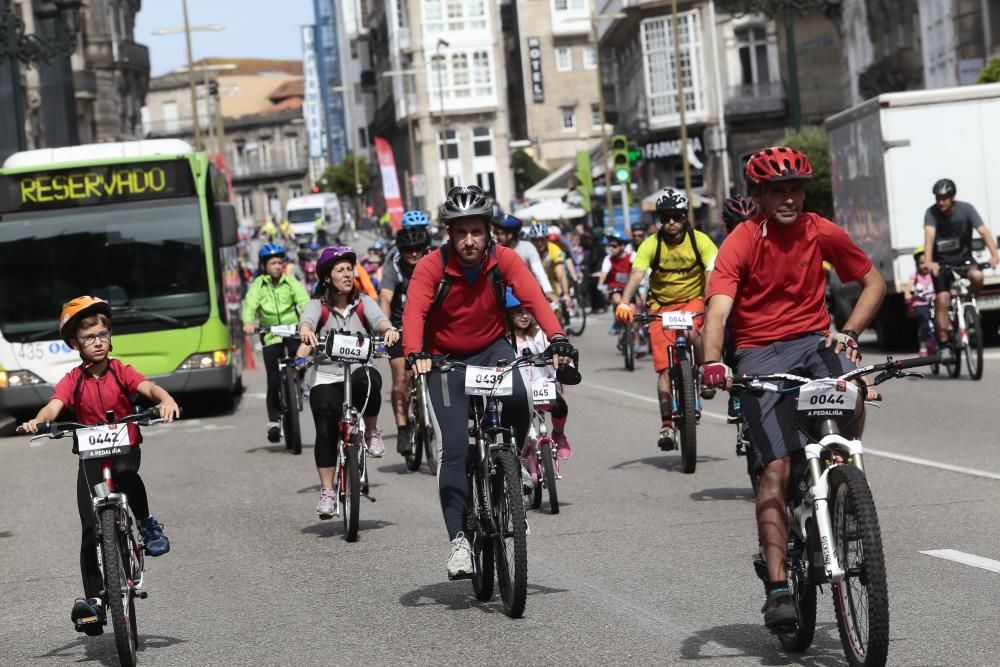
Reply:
x=146, y=225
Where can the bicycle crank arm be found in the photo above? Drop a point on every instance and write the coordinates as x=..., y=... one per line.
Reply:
x=371, y=498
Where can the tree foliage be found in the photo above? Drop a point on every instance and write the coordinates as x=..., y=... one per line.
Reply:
x=340, y=178
x=990, y=73
x=812, y=141
x=526, y=171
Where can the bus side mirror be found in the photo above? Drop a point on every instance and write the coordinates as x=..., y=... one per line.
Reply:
x=228, y=231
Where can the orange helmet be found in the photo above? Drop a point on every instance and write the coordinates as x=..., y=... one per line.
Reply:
x=76, y=310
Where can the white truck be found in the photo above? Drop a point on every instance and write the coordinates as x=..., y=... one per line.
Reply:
x=304, y=212
x=886, y=153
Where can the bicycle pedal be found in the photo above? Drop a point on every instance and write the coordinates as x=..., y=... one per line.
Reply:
x=460, y=577
x=142, y=595
x=371, y=498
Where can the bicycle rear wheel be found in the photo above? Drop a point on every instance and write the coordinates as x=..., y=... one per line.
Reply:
x=511, y=542
x=974, y=353
x=416, y=454
x=861, y=600
x=804, y=593
x=290, y=411
x=577, y=314
x=483, y=552
x=548, y=465
x=352, y=492
x=628, y=349
x=687, y=423
x=118, y=586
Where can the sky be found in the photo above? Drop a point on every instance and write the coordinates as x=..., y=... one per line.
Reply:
x=254, y=29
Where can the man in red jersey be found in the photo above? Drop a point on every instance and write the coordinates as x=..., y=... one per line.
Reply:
x=455, y=306
x=769, y=285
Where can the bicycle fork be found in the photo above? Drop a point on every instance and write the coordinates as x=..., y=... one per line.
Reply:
x=674, y=356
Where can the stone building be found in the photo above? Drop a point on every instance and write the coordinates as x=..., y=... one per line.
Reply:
x=265, y=145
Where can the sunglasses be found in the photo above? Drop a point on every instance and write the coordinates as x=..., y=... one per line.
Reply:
x=673, y=216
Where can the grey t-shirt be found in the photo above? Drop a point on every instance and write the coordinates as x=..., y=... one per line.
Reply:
x=529, y=254
x=953, y=232
x=327, y=371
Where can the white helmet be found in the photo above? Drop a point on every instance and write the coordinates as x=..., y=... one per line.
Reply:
x=535, y=231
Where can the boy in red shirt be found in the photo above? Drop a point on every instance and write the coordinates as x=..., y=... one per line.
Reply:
x=97, y=385
x=769, y=284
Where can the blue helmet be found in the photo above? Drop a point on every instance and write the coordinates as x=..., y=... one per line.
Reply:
x=512, y=301
x=415, y=218
x=269, y=251
x=508, y=222
x=378, y=245
x=619, y=237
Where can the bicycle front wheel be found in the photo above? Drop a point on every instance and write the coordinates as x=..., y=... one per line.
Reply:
x=687, y=423
x=352, y=492
x=577, y=317
x=974, y=352
x=548, y=465
x=628, y=348
x=118, y=586
x=861, y=600
x=290, y=415
x=800, y=639
x=416, y=454
x=511, y=541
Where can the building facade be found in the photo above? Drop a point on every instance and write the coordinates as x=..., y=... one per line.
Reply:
x=328, y=33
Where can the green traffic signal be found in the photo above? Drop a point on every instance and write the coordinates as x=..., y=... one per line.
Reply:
x=620, y=159
x=622, y=174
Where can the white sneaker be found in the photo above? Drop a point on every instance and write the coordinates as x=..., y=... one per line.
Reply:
x=460, y=559
x=376, y=448
x=327, y=507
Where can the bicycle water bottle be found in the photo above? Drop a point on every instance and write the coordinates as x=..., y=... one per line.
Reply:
x=735, y=408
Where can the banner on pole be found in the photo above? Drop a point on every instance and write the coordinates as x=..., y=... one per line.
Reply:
x=390, y=183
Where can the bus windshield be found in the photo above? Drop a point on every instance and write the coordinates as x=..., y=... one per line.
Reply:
x=147, y=259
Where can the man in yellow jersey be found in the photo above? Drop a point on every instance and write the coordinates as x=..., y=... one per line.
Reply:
x=679, y=259
x=553, y=259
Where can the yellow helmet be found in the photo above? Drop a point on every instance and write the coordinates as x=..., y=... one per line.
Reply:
x=919, y=250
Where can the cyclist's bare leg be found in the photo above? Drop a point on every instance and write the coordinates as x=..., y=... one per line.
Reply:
x=976, y=279
x=699, y=347
x=942, y=303
x=664, y=393
x=400, y=390
x=326, y=477
x=772, y=518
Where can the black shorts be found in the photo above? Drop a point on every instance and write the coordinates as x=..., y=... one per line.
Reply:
x=396, y=350
x=946, y=278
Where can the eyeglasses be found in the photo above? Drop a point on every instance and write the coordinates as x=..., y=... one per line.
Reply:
x=465, y=189
x=673, y=216
x=91, y=339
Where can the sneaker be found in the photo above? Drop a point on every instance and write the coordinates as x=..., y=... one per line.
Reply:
x=947, y=356
x=460, y=558
x=779, y=610
x=273, y=431
x=666, y=441
x=156, y=542
x=708, y=393
x=404, y=439
x=88, y=616
x=563, y=450
x=327, y=507
x=923, y=351
x=376, y=448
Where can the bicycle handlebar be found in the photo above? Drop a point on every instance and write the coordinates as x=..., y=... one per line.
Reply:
x=54, y=429
x=891, y=368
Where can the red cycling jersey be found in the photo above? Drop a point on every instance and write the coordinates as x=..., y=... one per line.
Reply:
x=775, y=276
x=99, y=394
x=470, y=319
x=619, y=271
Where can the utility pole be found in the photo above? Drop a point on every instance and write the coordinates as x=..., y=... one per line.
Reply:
x=191, y=83
x=679, y=82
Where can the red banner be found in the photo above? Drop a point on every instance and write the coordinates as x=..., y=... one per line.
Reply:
x=390, y=183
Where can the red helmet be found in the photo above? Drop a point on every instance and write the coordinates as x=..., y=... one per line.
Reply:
x=779, y=163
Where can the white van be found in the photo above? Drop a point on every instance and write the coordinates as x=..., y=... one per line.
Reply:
x=302, y=213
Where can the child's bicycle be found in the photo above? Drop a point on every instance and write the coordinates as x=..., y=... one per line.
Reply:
x=120, y=545
x=539, y=452
x=290, y=390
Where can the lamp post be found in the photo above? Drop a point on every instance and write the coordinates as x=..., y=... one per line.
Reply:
x=409, y=132
x=594, y=18
x=18, y=47
x=444, y=128
x=219, y=132
x=187, y=29
x=348, y=91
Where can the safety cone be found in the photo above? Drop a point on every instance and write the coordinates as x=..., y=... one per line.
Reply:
x=248, y=362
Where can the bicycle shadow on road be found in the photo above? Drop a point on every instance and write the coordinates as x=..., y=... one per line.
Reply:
x=458, y=596
x=275, y=449
x=401, y=469
x=671, y=462
x=102, y=649
x=725, y=493
x=335, y=527
x=745, y=640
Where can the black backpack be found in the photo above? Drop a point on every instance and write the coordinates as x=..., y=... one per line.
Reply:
x=698, y=261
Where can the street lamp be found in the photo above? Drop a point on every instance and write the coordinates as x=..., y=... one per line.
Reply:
x=594, y=18
x=444, y=128
x=187, y=29
x=409, y=131
x=220, y=131
x=18, y=47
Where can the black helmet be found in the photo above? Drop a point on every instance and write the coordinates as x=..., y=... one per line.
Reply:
x=736, y=209
x=670, y=199
x=412, y=237
x=466, y=202
x=945, y=188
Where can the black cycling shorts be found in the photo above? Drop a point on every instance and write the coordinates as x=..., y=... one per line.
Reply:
x=946, y=278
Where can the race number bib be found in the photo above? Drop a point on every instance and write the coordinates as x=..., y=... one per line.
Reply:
x=483, y=381
x=349, y=348
x=543, y=391
x=828, y=398
x=677, y=320
x=98, y=442
x=621, y=278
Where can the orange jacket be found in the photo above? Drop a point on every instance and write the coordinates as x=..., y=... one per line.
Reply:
x=364, y=282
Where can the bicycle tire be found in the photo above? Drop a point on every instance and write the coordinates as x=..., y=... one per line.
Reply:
x=852, y=497
x=483, y=553
x=974, y=353
x=429, y=436
x=290, y=412
x=511, y=542
x=628, y=350
x=954, y=369
x=352, y=492
x=119, y=594
x=577, y=317
x=804, y=593
x=536, y=492
x=416, y=454
x=688, y=421
x=548, y=465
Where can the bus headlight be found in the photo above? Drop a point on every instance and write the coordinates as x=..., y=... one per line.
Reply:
x=205, y=360
x=18, y=379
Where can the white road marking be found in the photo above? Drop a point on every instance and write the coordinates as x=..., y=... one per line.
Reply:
x=965, y=559
x=254, y=394
x=974, y=472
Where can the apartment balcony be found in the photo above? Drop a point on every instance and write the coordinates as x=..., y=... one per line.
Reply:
x=123, y=54
x=251, y=169
x=756, y=99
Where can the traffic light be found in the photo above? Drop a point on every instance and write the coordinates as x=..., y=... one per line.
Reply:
x=584, y=182
x=620, y=168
